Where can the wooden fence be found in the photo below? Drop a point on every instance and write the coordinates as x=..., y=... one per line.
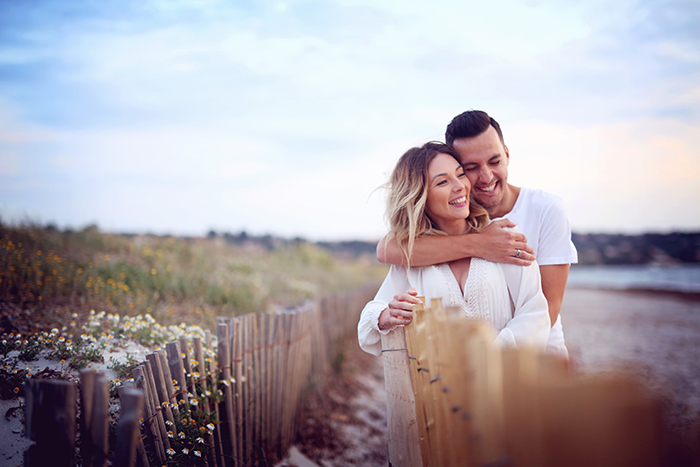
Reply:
x=455, y=399
x=195, y=405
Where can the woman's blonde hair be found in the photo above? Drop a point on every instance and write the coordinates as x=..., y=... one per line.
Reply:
x=408, y=194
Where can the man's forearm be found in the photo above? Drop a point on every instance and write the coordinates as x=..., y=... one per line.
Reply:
x=497, y=243
x=428, y=250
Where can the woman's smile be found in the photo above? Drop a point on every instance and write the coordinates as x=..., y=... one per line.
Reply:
x=459, y=202
x=448, y=194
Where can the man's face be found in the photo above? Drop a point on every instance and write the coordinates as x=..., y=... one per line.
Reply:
x=485, y=161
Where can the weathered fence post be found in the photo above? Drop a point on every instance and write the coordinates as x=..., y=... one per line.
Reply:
x=50, y=422
x=141, y=382
x=160, y=385
x=128, y=433
x=100, y=421
x=404, y=443
x=177, y=371
x=522, y=415
x=202, y=385
x=228, y=428
x=87, y=394
x=237, y=387
x=211, y=367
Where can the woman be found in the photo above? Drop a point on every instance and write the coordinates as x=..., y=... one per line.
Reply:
x=429, y=195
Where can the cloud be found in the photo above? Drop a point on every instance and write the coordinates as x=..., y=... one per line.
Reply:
x=633, y=176
x=283, y=116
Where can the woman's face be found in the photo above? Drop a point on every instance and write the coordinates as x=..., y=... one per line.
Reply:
x=448, y=193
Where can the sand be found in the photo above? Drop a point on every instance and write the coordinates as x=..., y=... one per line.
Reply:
x=652, y=335
x=655, y=336
x=13, y=443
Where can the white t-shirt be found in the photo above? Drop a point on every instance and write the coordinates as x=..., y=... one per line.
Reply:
x=542, y=218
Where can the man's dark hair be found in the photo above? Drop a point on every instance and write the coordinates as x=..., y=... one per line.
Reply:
x=469, y=124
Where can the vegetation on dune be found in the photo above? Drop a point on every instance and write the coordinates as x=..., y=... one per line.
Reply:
x=145, y=288
x=47, y=275
x=76, y=347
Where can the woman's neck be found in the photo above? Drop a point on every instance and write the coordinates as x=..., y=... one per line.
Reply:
x=458, y=227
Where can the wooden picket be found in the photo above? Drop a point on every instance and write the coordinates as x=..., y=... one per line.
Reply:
x=475, y=404
x=128, y=434
x=50, y=422
x=264, y=364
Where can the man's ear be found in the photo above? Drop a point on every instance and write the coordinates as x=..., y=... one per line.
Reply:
x=507, y=153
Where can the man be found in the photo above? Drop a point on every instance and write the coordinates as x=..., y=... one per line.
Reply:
x=539, y=215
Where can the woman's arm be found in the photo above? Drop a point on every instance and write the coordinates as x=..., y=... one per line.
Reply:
x=390, y=308
x=530, y=324
x=495, y=243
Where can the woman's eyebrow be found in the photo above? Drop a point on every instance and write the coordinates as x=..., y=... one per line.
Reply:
x=438, y=175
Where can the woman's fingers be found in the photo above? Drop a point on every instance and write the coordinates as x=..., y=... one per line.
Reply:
x=401, y=307
x=410, y=296
x=398, y=304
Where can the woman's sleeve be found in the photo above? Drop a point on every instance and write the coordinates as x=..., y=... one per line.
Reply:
x=530, y=324
x=368, y=333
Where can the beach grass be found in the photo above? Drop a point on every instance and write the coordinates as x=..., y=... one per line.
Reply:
x=48, y=276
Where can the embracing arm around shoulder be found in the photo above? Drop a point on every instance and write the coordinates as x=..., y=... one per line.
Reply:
x=530, y=323
x=554, y=277
x=495, y=243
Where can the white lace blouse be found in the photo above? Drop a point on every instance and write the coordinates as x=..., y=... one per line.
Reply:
x=508, y=297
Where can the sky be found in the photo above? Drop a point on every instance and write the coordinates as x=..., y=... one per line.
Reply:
x=284, y=117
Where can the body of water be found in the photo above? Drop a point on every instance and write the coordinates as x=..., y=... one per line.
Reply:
x=675, y=278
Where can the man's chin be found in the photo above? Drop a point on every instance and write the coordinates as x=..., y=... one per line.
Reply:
x=486, y=200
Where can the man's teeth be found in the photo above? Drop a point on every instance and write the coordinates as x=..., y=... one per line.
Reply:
x=461, y=200
x=488, y=188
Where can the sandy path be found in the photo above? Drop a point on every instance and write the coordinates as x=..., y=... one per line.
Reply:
x=344, y=422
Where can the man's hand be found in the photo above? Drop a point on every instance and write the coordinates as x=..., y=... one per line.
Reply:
x=400, y=310
x=502, y=246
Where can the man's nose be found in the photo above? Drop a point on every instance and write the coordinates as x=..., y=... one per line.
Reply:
x=484, y=175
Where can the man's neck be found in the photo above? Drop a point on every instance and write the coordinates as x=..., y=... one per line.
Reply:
x=506, y=205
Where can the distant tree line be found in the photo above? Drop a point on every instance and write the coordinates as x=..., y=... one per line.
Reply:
x=350, y=248
x=592, y=248
x=670, y=248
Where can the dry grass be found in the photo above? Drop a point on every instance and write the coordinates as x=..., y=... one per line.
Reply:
x=47, y=275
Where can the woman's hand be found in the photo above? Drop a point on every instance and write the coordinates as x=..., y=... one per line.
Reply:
x=400, y=310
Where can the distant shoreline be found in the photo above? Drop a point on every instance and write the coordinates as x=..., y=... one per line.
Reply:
x=691, y=296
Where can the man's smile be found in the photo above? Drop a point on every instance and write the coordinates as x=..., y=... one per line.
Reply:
x=487, y=188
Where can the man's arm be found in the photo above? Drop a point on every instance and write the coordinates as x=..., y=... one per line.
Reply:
x=494, y=243
x=554, y=277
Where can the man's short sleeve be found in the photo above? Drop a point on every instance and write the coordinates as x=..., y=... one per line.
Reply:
x=555, y=245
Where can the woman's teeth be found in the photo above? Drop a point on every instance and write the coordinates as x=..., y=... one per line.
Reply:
x=460, y=200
